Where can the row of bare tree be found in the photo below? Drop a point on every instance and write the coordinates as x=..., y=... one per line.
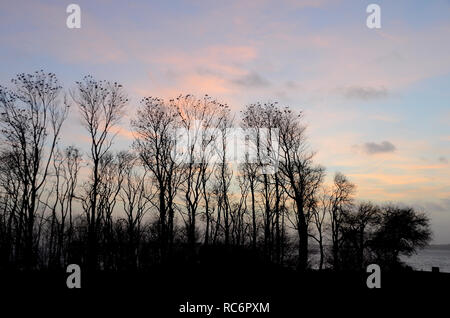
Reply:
x=158, y=201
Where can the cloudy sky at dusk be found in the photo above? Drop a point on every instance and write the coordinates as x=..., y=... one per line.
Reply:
x=377, y=101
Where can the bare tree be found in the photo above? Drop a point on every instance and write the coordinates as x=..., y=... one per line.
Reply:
x=249, y=171
x=302, y=177
x=136, y=196
x=201, y=119
x=224, y=179
x=32, y=114
x=11, y=213
x=155, y=126
x=341, y=201
x=113, y=168
x=66, y=167
x=319, y=212
x=240, y=224
x=101, y=106
x=356, y=231
x=261, y=122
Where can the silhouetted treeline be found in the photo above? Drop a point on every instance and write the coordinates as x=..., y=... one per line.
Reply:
x=144, y=206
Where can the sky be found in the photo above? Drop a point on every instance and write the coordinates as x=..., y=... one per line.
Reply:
x=376, y=101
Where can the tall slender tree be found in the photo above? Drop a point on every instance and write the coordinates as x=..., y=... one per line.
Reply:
x=32, y=114
x=101, y=105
